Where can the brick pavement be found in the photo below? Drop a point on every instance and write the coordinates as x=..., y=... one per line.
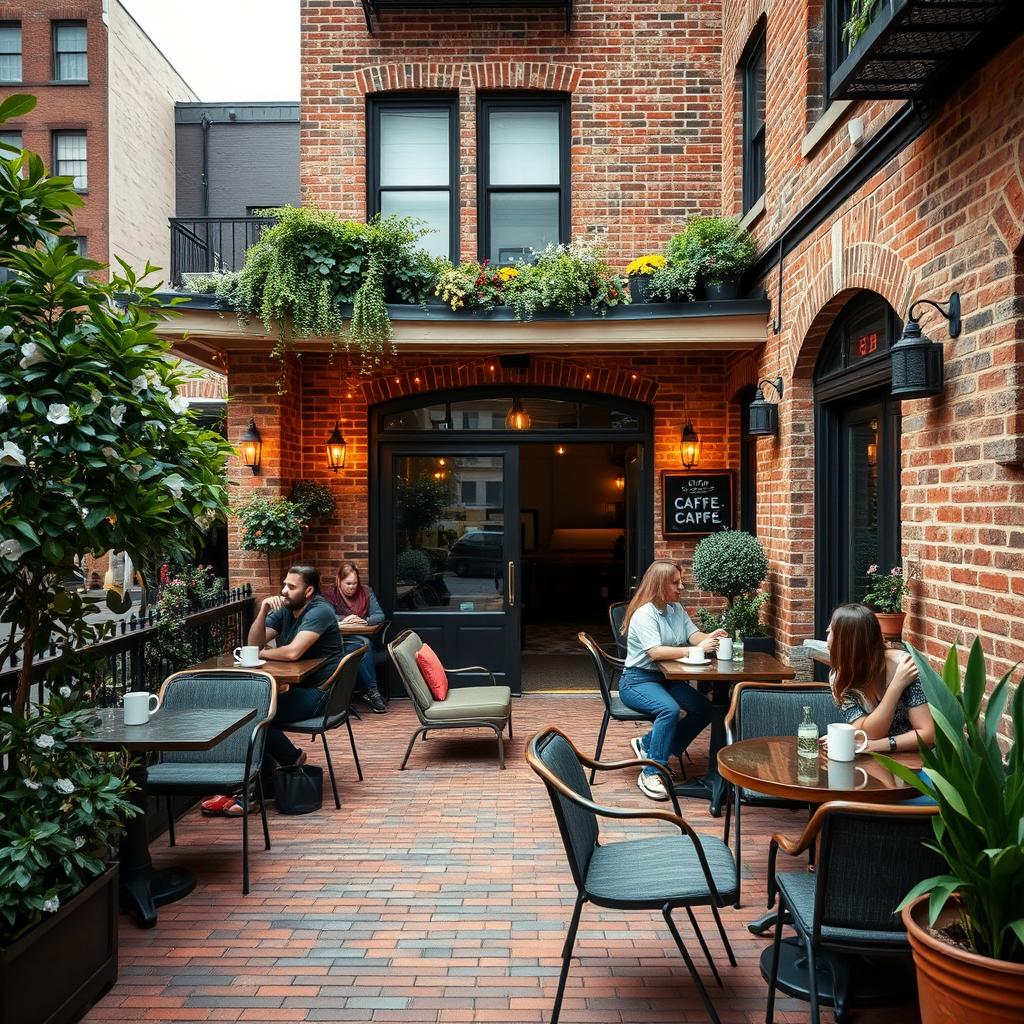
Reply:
x=437, y=894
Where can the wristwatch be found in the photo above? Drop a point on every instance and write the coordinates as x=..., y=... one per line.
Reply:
x=892, y=744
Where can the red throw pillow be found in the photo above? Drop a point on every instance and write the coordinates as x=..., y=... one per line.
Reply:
x=433, y=672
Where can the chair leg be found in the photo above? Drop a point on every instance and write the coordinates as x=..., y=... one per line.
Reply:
x=509, y=723
x=570, y=941
x=704, y=946
x=727, y=815
x=737, y=800
x=501, y=746
x=725, y=938
x=352, y=744
x=812, y=981
x=682, y=767
x=773, y=977
x=666, y=912
x=263, y=812
x=600, y=743
x=245, y=839
x=170, y=821
x=330, y=770
x=408, y=750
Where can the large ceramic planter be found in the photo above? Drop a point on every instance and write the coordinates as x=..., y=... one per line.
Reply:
x=891, y=624
x=640, y=288
x=720, y=291
x=55, y=972
x=958, y=987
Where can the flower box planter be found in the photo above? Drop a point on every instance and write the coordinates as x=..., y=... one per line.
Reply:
x=55, y=972
x=722, y=291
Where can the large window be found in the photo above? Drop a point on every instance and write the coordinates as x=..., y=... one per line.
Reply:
x=70, y=158
x=70, y=56
x=10, y=51
x=753, y=71
x=413, y=165
x=524, y=175
x=12, y=140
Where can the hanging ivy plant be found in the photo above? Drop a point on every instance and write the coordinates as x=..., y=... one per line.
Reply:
x=313, y=498
x=862, y=13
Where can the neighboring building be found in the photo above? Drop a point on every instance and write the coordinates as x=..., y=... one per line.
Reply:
x=506, y=131
x=105, y=115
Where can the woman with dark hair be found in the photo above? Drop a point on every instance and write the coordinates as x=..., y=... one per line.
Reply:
x=357, y=605
x=657, y=628
x=875, y=688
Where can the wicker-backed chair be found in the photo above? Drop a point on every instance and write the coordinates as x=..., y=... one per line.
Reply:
x=653, y=873
x=234, y=764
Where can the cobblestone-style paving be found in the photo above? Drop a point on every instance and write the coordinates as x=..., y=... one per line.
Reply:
x=436, y=894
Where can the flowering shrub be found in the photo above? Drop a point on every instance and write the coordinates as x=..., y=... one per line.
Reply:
x=183, y=590
x=886, y=590
x=644, y=266
x=271, y=526
x=473, y=285
x=313, y=498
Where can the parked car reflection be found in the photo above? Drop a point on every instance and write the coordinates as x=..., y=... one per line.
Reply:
x=477, y=553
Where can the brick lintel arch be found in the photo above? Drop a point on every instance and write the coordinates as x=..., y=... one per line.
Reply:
x=469, y=76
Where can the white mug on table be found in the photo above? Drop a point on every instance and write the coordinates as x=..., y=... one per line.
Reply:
x=139, y=707
x=247, y=655
x=842, y=742
x=695, y=654
x=725, y=649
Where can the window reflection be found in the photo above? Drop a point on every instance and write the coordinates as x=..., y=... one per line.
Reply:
x=490, y=413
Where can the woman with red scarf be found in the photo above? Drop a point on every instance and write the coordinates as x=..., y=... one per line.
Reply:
x=356, y=604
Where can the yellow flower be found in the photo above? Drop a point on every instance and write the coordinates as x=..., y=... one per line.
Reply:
x=645, y=265
x=507, y=273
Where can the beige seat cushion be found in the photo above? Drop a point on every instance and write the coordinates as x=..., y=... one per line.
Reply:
x=486, y=703
x=404, y=656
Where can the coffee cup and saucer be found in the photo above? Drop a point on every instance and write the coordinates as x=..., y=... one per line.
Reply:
x=248, y=657
x=699, y=661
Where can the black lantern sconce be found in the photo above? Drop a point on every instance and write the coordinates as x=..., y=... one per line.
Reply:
x=762, y=415
x=689, y=445
x=337, y=447
x=251, y=447
x=916, y=359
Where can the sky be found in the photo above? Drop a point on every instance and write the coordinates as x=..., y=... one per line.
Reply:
x=227, y=50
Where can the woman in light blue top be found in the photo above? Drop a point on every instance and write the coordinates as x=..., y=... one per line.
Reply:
x=657, y=628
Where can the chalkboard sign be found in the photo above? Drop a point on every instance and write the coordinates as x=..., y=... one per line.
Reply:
x=694, y=504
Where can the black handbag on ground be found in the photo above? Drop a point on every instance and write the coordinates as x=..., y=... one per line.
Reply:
x=299, y=788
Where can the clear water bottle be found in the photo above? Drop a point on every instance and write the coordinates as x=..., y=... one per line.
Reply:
x=807, y=736
x=737, y=647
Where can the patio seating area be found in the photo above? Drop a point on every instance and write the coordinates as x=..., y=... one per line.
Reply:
x=439, y=893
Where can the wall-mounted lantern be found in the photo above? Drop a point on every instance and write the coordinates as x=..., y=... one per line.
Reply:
x=762, y=415
x=251, y=447
x=337, y=447
x=620, y=483
x=689, y=445
x=916, y=359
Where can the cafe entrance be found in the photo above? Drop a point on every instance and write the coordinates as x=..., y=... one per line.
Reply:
x=504, y=520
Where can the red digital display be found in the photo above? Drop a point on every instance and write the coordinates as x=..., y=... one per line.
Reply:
x=863, y=346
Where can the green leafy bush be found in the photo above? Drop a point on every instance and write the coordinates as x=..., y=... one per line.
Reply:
x=413, y=566
x=419, y=504
x=743, y=615
x=473, y=285
x=315, y=499
x=271, y=527
x=185, y=589
x=677, y=280
x=733, y=565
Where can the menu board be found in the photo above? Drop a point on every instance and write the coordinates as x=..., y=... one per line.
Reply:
x=695, y=504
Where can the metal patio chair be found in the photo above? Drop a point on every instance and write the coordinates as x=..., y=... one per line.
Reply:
x=616, y=616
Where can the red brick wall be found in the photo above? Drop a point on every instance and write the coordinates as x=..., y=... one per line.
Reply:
x=71, y=107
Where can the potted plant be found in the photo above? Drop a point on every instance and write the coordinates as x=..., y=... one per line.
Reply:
x=885, y=595
x=640, y=272
x=721, y=251
x=271, y=526
x=733, y=565
x=315, y=499
x=966, y=928
x=97, y=453
x=473, y=286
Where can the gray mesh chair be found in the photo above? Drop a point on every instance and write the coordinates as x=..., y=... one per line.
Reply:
x=340, y=687
x=234, y=764
x=770, y=709
x=654, y=873
x=616, y=616
x=849, y=905
x=468, y=707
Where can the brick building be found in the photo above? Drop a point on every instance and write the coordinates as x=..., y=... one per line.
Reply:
x=618, y=130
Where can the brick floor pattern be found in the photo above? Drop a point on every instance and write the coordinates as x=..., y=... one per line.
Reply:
x=437, y=894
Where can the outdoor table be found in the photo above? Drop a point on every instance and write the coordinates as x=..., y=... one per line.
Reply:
x=142, y=888
x=285, y=673
x=771, y=765
x=355, y=629
x=722, y=675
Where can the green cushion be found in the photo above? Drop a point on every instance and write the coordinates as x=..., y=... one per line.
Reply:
x=404, y=657
x=486, y=703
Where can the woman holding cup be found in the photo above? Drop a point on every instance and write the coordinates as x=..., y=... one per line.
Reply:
x=876, y=689
x=657, y=628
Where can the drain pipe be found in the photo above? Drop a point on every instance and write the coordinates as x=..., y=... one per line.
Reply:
x=206, y=122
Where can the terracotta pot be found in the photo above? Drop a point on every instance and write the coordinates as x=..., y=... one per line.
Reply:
x=891, y=623
x=957, y=987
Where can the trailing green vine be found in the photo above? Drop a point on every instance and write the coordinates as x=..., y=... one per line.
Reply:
x=862, y=13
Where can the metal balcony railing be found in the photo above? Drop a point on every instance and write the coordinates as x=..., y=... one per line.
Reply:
x=212, y=245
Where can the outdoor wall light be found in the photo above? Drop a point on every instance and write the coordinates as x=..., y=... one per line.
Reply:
x=251, y=447
x=762, y=415
x=689, y=445
x=620, y=483
x=337, y=446
x=517, y=418
x=916, y=359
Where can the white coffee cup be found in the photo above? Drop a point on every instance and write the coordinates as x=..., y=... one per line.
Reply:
x=842, y=742
x=139, y=707
x=695, y=654
x=725, y=648
x=845, y=775
x=247, y=655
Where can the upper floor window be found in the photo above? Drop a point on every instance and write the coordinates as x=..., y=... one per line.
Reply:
x=753, y=70
x=70, y=158
x=413, y=165
x=837, y=46
x=12, y=141
x=524, y=175
x=70, y=57
x=10, y=51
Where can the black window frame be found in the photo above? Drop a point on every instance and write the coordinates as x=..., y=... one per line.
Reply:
x=748, y=464
x=855, y=314
x=837, y=13
x=21, y=140
x=754, y=136
x=54, y=137
x=522, y=101
x=14, y=23
x=55, y=27
x=377, y=103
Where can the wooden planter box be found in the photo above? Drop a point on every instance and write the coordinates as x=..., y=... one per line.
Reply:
x=55, y=972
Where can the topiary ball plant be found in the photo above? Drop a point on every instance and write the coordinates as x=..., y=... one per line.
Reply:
x=413, y=566
x=729, y=563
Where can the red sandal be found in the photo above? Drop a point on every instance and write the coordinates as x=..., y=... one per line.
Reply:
x=216, y=806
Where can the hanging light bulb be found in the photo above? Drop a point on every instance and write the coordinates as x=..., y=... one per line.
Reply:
x=689, y=445
x=517, y=418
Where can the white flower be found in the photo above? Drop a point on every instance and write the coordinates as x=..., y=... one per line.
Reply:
x=175, y=485
x=179, y=405
x=31, y=354
x=11, y=550
x=45, y=741
x=5, y=332
x=52, y=905
x=58, y=414
x=79, y=842
x=117, y=414
x=108, y=452
x=31, y=783
x=140, y=383
x=65, y=691
x=65, y=786
x=95, y=397
x=11, y=455
x=3, y=404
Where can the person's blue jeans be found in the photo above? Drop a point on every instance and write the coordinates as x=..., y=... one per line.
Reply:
x=649, y=691
x=292, y=706
x=367, y=669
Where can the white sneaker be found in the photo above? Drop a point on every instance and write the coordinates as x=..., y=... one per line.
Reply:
x=652, y=786
x=637, y=743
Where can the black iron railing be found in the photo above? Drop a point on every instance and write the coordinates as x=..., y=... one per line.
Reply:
x=136, y=656
x=212, y=245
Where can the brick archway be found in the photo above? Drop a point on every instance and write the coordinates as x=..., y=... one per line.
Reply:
x=469, y=76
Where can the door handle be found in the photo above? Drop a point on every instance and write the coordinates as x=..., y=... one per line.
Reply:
x=511, y=584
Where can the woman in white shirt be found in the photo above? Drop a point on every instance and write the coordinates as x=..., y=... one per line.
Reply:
x=657, y=628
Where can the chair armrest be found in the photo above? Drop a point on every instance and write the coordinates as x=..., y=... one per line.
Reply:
x=611, y=766
x=472, y=668
x=793, y=847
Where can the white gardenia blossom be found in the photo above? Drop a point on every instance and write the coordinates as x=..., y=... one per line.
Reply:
x=65, y=691
x=5, y=332
x=58, y=414
x=117, y=414
x=11, y=550
x=31, y=783
x=45, y=741
x=140, y=383
x=31, y=354
x=11, y=455
x=52, y=905
x=179, y=405
x=79, y=842
x=65, y=786
x=3, y=404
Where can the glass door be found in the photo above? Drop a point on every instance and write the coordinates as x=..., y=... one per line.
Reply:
x=449, y=553
x=635, y=540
